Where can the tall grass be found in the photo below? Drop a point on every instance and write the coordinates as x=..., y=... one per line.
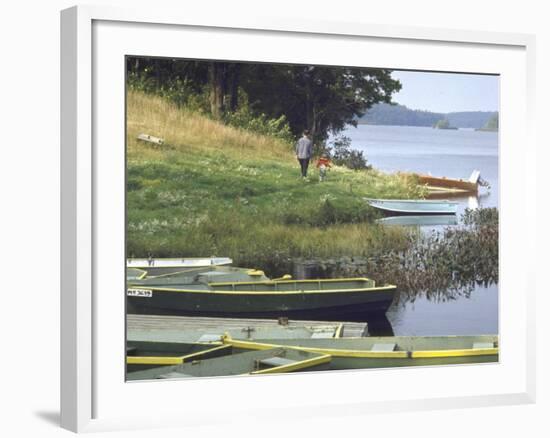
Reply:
x=186, y=131
x=213, y=189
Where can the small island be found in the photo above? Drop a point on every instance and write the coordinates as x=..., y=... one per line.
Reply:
x=491, y=125
x=443, y=124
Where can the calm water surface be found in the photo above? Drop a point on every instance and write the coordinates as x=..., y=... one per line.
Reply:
x=454, y=154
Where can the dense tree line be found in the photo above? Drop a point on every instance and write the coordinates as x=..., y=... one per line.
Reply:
x=322, y=99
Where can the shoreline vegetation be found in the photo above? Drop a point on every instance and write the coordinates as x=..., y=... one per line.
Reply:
x=491, y=125
x=214, y=189
x=441, y=265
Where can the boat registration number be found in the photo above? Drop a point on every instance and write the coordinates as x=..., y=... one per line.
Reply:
x=143, y=293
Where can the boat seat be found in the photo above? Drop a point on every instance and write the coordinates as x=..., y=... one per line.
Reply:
x=210, y=338
x=479, y=345
x=322, y=335
x=276, y=361
x=383, y=347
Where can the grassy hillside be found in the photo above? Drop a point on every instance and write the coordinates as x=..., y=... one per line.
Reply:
x=217, y=190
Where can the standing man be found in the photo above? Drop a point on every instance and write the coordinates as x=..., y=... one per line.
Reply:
x=304, y=150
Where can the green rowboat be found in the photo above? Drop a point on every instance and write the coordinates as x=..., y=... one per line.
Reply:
x=141, y=355
x=391, y=351
x=268, y=361
x=239, y=293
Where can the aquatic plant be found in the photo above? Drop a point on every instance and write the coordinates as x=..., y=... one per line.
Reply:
x=440, y=265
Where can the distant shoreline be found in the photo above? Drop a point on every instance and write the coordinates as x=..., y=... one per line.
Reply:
x=427, y=127
x=400, y=115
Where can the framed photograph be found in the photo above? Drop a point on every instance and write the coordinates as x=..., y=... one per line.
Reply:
x=252, y=207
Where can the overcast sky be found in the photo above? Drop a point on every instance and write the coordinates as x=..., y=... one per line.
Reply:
x=447, y=92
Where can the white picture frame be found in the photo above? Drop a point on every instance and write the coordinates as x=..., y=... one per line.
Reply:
x=92, y=394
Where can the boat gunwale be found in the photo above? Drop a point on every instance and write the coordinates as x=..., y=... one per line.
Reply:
x=336, y=352
x=321, y=280
x=276, y=293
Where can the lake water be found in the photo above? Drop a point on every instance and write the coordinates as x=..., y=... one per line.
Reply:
x=454, y=154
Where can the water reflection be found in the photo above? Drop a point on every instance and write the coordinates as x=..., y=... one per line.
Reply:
x=380, y=326
x=453, y=154
x=473, y=203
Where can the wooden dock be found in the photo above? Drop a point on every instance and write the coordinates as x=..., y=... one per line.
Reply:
x=164, y=327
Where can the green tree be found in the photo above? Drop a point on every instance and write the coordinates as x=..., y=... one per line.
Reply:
x=442, y=124
x=319, y=98
x=491, y=125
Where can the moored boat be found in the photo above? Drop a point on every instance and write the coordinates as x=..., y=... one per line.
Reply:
x=414, y=207
x=222, y=292
x=435, y=184
x=390, y=351
x=133, y=274
x=159, y=266
x=267, y=361
x=141, y=355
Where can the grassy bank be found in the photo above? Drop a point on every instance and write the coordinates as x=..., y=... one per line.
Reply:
x=218, y=190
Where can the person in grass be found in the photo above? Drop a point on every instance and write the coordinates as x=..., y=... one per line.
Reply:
x=304, y=150
x=323, y=164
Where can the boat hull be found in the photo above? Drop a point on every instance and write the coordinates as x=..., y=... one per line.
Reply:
x=295, y=305
x=346, y=363
x=448, y=183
